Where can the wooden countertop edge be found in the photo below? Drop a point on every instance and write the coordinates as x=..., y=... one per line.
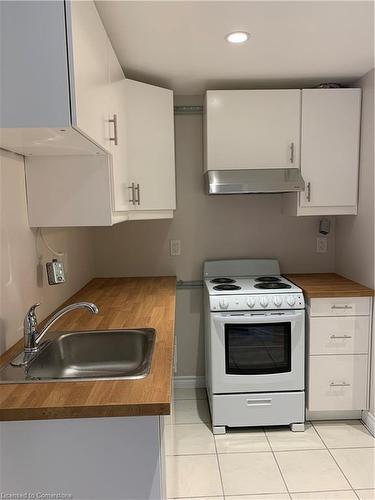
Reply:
x=336, y=286
x=97, y=411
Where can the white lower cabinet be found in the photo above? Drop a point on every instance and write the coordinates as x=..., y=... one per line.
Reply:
x=339, y=335
x=338, y=350
x=337, y=382
x=101, y=458
x=340, y=306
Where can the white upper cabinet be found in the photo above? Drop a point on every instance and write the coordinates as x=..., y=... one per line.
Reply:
x=116, y=132
x=330, y=135
x=135, y=182
x=54, y=78
x=150, y=158
x=252, y=129
x=89, y=70
x=95, y=139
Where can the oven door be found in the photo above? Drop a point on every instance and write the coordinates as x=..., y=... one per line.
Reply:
x=257, y=352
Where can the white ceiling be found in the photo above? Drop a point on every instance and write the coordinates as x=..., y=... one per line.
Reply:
x=181, y=44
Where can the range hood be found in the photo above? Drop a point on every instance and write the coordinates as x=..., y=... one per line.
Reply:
x=270, y=180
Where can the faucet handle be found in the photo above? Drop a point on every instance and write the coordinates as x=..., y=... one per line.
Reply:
x=30, y=318
x=31, y=311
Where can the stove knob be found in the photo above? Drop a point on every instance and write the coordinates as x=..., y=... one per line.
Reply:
x=224, y=304
x=291, y=300
x=264, y=301
x=250, y=302
x=277, y=300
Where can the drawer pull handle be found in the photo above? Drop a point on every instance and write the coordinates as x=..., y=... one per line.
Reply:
x=343, y=384
x=340, y=336
x=342, y=307
x=259, y=402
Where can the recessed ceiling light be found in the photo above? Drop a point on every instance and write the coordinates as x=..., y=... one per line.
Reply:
x=237, y=37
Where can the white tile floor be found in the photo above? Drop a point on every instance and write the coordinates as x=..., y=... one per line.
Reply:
x=330, y=460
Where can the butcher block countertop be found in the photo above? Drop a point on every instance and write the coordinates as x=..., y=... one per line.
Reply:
x=323, y=285
x=123, y=303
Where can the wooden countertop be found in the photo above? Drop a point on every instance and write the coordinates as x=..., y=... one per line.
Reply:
x=123, y=303
x=322, y=285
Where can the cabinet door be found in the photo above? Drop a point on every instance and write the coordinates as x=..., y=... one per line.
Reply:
x=252, y=129
x=337, y=382
x=64, y=191
x=116, y=134
x=150, y=146
x=339, y=335
x=330, y=147
x=90, y=79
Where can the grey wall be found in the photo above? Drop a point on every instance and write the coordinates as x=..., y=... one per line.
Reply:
x=23, y=256
x=355, y=234
x=209, y=228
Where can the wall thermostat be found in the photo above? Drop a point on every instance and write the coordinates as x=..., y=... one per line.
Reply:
x=55, y=272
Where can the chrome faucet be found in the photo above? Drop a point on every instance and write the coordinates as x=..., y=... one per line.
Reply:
x=33, y=336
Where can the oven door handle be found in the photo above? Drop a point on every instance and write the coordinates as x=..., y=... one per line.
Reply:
x=266, y=318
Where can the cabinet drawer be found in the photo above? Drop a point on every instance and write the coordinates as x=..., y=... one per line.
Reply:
x=340, y=306
x=271, y=408
x=337, y=382
x=339, y=335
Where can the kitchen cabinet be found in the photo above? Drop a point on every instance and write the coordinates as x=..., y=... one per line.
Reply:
x=116, y=134
x=70, y=191
x=330, y=134
x=61, y=107
x=338, y=332
x=87, y=133
x=150, y=158
x=252, y=129
x=136, y=182
x=108, y=458
x=88, y=52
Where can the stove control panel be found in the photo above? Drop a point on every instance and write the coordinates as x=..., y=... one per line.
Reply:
x=257, y=302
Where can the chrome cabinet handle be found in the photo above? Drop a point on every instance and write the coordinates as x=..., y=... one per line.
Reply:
x=114, y=139
x=138, y=198
x=343, y=384
x=340, y=337
x=291, y=158
x=132, y=200
x=341, y=307
x=308, y=191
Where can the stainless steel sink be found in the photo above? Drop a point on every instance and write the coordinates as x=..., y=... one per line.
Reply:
x=88, y=355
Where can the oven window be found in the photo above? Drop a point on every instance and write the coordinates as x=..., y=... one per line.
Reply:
x=252, y=349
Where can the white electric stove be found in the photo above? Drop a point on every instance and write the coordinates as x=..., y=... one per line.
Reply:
x=255, y=345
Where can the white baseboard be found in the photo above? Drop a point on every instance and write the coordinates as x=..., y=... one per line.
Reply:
x=188, y=382
x=369, y=420
x=334, y=415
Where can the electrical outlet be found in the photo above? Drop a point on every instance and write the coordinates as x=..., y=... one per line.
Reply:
x=321, y=245
x=175, y=247
x=55, y=272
